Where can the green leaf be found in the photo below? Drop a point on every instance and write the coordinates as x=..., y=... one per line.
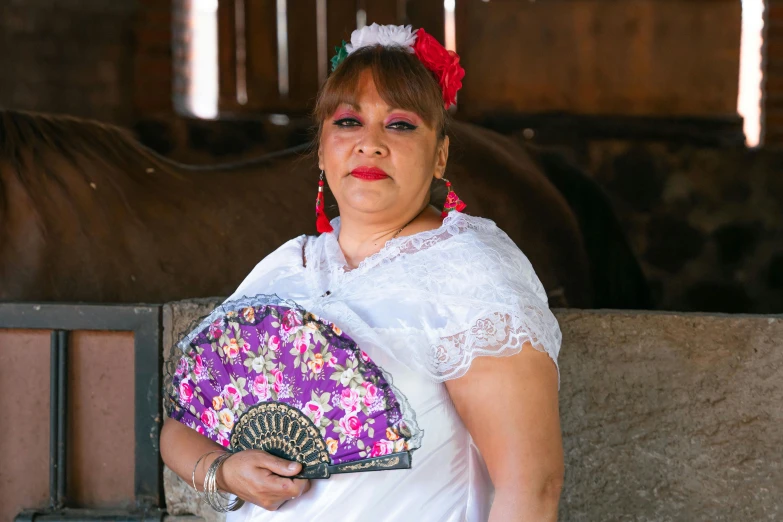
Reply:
x=360, y=444
x=371, y=432
x=313, y=396
x=325, y=398
x=341, y=54
x=362, y=454
x=370, y=421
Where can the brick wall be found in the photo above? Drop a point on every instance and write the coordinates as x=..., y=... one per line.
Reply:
x=68, y=56
x=100, y=59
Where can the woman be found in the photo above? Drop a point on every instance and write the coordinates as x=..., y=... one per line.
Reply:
x=426, y=294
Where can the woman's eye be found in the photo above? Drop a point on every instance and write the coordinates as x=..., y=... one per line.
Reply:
x=346, y=122
x=402, y=125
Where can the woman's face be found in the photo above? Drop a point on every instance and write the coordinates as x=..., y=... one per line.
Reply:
x=379, y=160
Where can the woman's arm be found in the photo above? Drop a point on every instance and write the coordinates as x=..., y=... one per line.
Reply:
x=254, y=476
x=510, y=407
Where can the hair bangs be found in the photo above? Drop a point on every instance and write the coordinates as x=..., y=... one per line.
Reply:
x=401, y=79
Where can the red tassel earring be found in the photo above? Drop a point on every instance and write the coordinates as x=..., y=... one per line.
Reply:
x=452, y=201
x=321, y=221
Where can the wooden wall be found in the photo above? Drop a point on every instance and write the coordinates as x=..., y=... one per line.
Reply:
x=258, y=77
x=635, y=57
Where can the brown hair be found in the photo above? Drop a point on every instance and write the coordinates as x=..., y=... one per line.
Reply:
x=401, y=79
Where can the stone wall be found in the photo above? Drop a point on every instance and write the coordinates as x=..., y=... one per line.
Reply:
x=706, y=223
x=665, y=417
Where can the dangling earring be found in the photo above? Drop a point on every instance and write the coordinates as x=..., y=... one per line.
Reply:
x=321, y=221
x=452, y=201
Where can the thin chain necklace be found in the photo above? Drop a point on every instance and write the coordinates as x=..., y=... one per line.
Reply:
x=329, y=292
x=408, y=223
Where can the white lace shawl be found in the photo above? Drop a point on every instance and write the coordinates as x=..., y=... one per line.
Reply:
x=434, y=301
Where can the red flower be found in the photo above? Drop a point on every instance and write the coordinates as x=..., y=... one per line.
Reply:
x=442, y=62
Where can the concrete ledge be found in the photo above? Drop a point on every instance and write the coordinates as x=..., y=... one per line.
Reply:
x=664, y=416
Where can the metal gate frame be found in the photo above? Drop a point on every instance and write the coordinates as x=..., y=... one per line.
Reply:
x=144, y=321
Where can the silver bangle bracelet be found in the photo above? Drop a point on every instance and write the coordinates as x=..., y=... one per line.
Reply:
x=212, y=495
x=193, y=475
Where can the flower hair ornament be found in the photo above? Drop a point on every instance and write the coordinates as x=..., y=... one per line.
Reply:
x=444, y=64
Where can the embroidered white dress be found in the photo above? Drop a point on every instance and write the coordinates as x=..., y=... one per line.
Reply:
x=423, y=308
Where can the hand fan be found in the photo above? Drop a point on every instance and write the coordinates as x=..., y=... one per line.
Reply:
x=262, y=373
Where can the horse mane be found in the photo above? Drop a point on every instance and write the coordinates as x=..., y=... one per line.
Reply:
x=37, y=149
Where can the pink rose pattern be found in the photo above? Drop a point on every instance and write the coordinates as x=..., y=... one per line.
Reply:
x=276, y=353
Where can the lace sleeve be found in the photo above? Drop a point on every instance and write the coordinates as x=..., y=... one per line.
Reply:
x=496, y=334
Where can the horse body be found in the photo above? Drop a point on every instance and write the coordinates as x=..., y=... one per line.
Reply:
x=87, y=214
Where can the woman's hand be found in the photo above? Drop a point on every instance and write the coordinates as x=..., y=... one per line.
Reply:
x=253, y=476
x=258, y=477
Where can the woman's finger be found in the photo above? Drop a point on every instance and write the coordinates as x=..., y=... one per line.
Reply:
x=278, y=466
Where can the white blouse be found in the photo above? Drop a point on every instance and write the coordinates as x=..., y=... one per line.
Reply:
x=422, y=308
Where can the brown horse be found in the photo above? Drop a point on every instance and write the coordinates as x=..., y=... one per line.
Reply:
x=88, y=214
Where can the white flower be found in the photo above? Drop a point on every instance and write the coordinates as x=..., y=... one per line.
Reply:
x=346, y=376
x=386, y=35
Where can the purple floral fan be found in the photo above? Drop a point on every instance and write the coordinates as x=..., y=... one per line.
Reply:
x=262, y=373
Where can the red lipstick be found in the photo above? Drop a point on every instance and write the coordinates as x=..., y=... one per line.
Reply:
x=369, y=173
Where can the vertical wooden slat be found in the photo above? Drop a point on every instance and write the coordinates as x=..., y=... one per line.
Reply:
x=261, y=26
x=227, y=78
x=302, y=54
x=428, y=14
x=180, y=51
x=382, y=11
x=340, y=22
